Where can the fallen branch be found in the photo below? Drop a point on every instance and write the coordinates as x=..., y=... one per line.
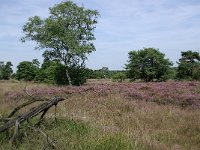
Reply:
x=24, y=105
x=44, y=107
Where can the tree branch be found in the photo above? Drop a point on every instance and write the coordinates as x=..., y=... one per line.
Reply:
x=31, y=113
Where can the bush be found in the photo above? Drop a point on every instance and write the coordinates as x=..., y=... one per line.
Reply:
x=55, y=73
x=78, y=75
x=119, y=77
x=26, y=71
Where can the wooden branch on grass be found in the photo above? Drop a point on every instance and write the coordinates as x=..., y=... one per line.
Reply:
x=24, y=105
x=44, y=107
x=10, y=121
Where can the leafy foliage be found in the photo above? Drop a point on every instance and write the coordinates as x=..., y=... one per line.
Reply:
x=148, y=64
x=78, y=74
x=26, y=70
x=189, y=66
x=119, y=77
x=48, y=74
x=53, y=72
x=6, y=70
x=102, y=73
x=66, y=35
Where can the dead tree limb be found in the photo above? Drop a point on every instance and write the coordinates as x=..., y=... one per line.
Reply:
x=23, y=105
x=31, y=113
x=33, y=100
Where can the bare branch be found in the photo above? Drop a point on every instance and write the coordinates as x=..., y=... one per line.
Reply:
x=31, y=113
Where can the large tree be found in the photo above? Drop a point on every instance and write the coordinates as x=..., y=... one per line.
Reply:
x=65, y=35
x=189, y=65
x=148, y=64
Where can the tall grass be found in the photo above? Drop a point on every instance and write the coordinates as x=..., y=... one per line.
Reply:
x=110, y=116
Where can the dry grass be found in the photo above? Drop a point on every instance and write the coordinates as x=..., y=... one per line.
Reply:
x=111, y=121
x=149, y=124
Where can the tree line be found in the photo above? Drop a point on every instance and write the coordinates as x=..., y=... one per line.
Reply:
x=148, y=65
x=66, y=37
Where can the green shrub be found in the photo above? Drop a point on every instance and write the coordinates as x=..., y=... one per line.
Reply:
x=26, y=70
x=119, y=77
x=55, y=73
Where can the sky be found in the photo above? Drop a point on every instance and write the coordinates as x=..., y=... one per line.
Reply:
x=124, y=25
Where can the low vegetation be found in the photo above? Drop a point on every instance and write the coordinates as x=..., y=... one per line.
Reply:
x=112, y=116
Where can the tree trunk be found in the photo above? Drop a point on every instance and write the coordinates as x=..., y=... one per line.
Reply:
x=68, y=77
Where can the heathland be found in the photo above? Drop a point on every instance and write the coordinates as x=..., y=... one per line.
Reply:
x=106, y=115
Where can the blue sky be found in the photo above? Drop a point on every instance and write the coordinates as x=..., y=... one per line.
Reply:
x=170, y=25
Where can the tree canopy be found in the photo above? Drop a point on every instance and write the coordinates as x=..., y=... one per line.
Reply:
x=66, y=34
x=148, y=64
x=189, y=65
x=26, y=70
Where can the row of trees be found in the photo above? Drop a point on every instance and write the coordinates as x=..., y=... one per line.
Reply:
x=52, y=72
x=148, y=64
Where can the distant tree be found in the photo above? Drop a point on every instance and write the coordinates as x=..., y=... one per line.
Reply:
x=89, y=73
x=6, y=71
x=189, y=66
x=26, y=70
x=101, y=74
x=66, y=35
x=119, y=77
x=148, y=64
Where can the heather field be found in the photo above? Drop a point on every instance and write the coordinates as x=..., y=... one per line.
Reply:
x=104, y=115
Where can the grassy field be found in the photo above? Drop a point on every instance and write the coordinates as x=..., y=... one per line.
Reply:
x=110, y=116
